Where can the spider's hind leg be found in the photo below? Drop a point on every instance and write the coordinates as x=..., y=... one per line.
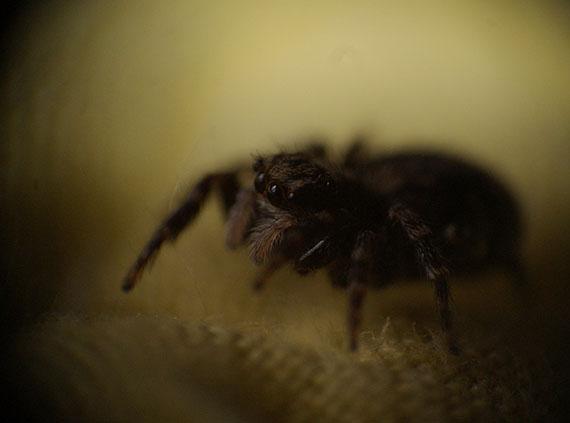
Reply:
x=181, y=217
x=429, y=256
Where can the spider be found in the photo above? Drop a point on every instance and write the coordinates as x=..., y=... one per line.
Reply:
x=368, y=220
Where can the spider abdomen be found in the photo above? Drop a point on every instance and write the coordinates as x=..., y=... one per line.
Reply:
x=474, y=220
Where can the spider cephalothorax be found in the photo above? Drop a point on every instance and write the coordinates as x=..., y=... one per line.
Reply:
x=368, y=220
x=295, y=182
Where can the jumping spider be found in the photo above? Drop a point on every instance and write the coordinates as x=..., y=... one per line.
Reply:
x=368, y=220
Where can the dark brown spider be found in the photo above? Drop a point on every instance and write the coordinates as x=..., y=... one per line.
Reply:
x=368, y=220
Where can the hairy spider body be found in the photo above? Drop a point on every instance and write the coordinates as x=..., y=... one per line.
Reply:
x=369, y=221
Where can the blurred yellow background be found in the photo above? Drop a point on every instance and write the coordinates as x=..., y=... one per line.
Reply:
x=111, y=110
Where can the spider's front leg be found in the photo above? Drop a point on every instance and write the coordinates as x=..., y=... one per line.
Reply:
x=228, y=185
x=430, y=258
x=361, y=260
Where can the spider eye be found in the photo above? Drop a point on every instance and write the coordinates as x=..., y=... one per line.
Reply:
x=274, y=195
x=259, y=182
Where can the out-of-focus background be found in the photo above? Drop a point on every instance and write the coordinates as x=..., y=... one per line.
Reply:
x=110, y=110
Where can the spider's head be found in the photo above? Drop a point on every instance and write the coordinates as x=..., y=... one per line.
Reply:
x=294, y=182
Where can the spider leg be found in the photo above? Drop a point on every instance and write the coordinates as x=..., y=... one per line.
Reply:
x=361, y=260
x=240, y=217
x=229, y=188
x=430, y=258
x=181, y=217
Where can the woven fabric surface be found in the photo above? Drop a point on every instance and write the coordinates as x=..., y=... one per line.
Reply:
x=156, y=368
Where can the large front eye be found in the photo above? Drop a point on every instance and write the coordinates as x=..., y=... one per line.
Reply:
x=274, y=195
x=259, y=182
